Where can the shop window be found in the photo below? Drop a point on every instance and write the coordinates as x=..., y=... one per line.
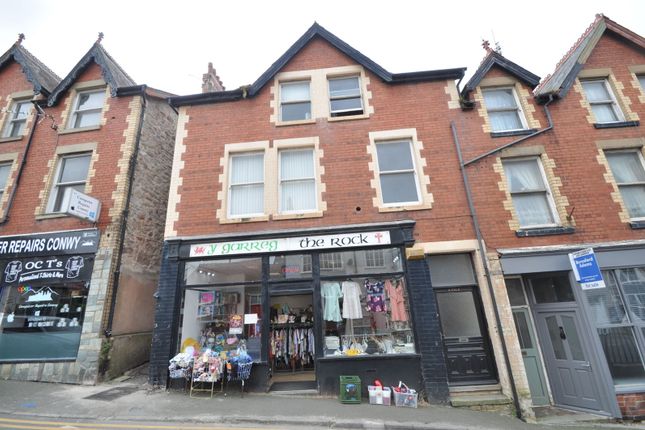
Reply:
x=41, y=323
x=628, y=170
x=17, y=119
x=295, y=101
x=237, y=270
x=297, y=181
x=222, y=319
x=345, y=96
x=356, y=262
x=5, y=169
x=503, y=108
x=71, y=174
x=87, y=109
x=602, y=101
x=531, y=196
x=246, y=185
x=397, y=173
x=294, y=266
x=552, y=289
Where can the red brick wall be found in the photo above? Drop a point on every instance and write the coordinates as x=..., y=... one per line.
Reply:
x=423, y=106
x=632, y=406
x=572, y=145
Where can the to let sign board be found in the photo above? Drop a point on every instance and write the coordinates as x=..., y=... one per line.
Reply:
x=586, y=270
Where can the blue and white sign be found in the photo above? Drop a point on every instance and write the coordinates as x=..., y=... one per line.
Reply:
x=586, y=270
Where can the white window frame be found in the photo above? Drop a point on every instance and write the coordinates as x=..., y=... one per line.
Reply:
x=374, y=258
x=76, y=111
x=414, y=170
x=12, y=119
x=55, y=189
x=308, y=100
x=518, y=108
x=331, y=261
x=231, y=185
x=345, y=112
x=547, y=191
x=611, y=101
x=312, y=178
x=639, y=155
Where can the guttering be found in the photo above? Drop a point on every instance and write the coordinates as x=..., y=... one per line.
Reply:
x=428, y=75
x=204, y=98
x=521, y=139
x=126, y=211
x=23, y=162
x=489, y=282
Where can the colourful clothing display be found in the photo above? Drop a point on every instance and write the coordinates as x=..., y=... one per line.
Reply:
x=397, y=300
x=330, y=292
x=375, y=296
x=352, y=300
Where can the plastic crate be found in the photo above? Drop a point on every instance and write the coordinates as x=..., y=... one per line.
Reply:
x=379, y=395
x=405, y=400
x=350, y=389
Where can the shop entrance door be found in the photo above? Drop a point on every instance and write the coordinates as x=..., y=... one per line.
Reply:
x=292, y=338
x=465, y=338
x=567, y=360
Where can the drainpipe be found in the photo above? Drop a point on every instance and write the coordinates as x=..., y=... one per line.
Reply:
x=124, y=214
x=5, y=216
x=489, y=282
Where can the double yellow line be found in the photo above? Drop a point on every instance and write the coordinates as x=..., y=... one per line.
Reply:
x=12, y=423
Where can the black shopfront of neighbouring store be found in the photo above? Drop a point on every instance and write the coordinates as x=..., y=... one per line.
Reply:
x=333, y=301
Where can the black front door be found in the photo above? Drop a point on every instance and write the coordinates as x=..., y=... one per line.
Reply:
x=468, y=352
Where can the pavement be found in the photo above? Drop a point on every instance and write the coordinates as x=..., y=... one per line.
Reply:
x=130, y=399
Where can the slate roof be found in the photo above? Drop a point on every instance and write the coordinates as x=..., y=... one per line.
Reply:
x=40, y=76
x=316, y=30
x=560, y=81
x=494, y=59
x=112, y=73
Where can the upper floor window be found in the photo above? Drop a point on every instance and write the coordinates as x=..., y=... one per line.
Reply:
x=17, y=119
x=503, y=109
x=246, y=185
x=297, y=180
x=71, y=174
x=641, y=80
x=87, y=109
x=629, y=173
x=5, y=168
x=602, y=101
x=397, y=173
x=295, y=101
x=345, y=96
x=531, y=196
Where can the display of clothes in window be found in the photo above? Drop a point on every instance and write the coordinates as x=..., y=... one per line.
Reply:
x=292, y=348
x=375, y=296
x=331, y=293
x=352, y=308
x=396, y=293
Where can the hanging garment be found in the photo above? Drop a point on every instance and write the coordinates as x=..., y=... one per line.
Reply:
x=330, y=292
x=352, y=300
x=397, y=301
x=375, y=296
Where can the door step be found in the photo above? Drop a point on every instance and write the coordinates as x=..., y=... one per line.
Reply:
x=474, y=400
x=294, y=388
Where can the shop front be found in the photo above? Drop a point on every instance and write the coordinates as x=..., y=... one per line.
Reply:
x=308, y=307
x=43, y=294
x=590, y=336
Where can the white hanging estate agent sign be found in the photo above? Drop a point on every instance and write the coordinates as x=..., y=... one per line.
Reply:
x=303, y=243
x=586, y=270
x=81, y=205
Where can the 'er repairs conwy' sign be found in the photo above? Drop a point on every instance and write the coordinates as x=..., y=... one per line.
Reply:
x=303, y=243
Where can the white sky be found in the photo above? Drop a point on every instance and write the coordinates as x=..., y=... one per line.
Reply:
x=168, y=44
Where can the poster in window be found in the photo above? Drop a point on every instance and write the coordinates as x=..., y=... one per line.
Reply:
x=235, y=324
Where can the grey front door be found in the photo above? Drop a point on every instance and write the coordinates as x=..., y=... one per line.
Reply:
x=567, y=360
x=531, y=357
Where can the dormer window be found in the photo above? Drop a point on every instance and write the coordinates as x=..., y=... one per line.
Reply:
x=17, y=119
x=295, y=101
x=503, y=109
x=602, y=101
x=345, y=96
x=87, y=109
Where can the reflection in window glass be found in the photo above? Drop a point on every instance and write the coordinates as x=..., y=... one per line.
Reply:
x=522, y=328
x=290, y=266
x=41, y=322
x=552, y=289
x=605, y=304
x=515, y=291
x=451, y=270
x=556, y=340
x=223, y=271
x=632, y=281
x=622, y=354
x=360, y=262
x=458, y=314
x=573, y=338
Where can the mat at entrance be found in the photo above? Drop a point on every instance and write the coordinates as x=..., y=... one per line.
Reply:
x=293, y=386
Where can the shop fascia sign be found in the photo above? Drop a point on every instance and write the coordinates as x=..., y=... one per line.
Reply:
x=586, y=269
x=81, y=205
x=288, y=244
x=69, y=242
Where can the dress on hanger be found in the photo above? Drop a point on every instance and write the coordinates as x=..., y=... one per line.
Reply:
x=397, y=301
x=352, y=300
x=375, y=296
x=330, y=292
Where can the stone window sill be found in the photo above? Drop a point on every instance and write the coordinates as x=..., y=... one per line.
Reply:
x=279, y=217
x=10, y=139
x=404, y=208
x=637, y=225
x=51, y=216
x=525, y=132
x=347, y=117
x=544, y=231
x=297, y=122
x=617, y=124
x=244, y=220
x=79, y=130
